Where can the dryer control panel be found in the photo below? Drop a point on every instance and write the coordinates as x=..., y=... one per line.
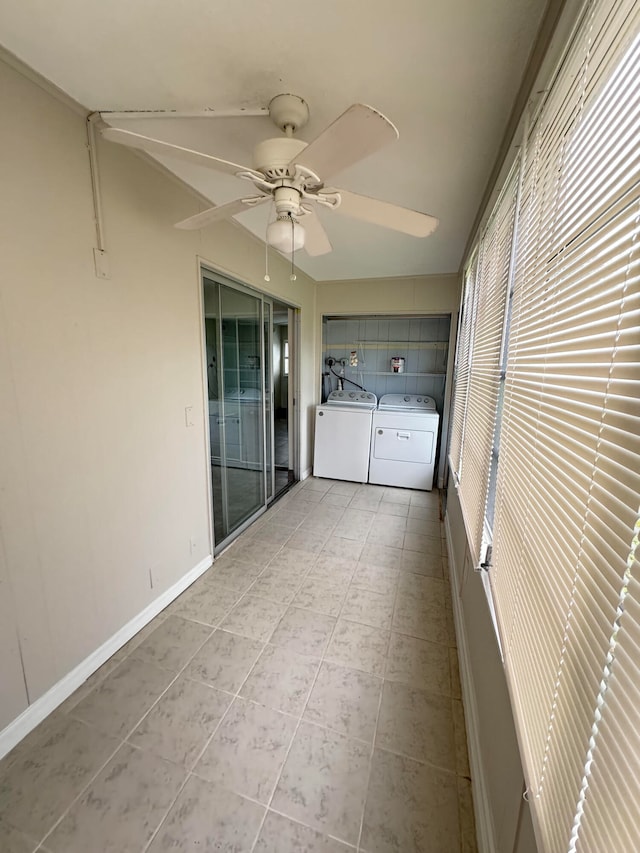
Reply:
x=404, y=402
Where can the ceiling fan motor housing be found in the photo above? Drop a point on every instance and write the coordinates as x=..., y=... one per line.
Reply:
x=272, y=156
x=288, y=111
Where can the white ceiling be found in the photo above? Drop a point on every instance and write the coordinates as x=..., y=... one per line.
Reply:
x=445, y=72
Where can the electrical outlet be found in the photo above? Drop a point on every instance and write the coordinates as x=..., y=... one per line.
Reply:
x=329, y=361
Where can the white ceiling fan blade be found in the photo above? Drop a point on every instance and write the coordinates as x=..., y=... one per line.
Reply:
x=316, y=241
x=156, y=146
x=386, y=214
x=222, y=211
x=357, y=133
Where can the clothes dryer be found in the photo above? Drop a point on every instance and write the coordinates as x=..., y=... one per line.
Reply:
x=404, y=435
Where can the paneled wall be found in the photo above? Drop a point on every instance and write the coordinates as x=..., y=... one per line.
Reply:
x=102, y=483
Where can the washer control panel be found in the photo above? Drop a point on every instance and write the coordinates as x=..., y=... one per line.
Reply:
x=356, y=397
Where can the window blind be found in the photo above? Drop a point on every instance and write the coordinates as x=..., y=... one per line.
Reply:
x=490, y=281
x=461, y=371
x=564, y=577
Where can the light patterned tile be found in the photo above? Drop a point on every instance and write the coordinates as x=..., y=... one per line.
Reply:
x=271, y=533
x=421, y=525
x=120, y=701
x=248, y=749
x=323, y=596
x=122, y=807
x=93, y=681
x=253, y=552
x=333, y=568
x=376, y=578
x=308, y=540
x=342, y=487
x=354, y=524
x=173, y=643
x=254, y=617
x=224, y=661
x=424, y=513
x=359, y=647
x=411, y=807
x=417, y=724
x=40, y=781
x=135, y=641
x=315, y=484
x=208, y=817
x=426, y=619
x=281, y=835
x=380, y=534
x=419, y=663
x=179, y=725
x=13, y=841
x=281, y=679
x=370, y=608
x=388, y=509
x=345, y=700
x=205, y=602
x=381, y=555
x=429, y=565
x=233, y=574
x=395, y=495
x=278, y=585
x=422, y=587
x=423, y=544
x=292, y=561
x=425, y=499
x=303, y=631
x=335, y=499
x=324, y=782
x=347, y=549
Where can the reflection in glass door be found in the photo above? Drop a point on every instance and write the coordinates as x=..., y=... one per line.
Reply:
x=234, y=331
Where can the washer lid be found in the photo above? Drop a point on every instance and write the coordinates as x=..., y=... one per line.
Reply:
x=359, y=399
x=406, y=403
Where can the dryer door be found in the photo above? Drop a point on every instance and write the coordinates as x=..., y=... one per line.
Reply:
x=403, y=445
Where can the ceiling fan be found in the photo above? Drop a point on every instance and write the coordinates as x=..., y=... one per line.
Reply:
x=293, y=174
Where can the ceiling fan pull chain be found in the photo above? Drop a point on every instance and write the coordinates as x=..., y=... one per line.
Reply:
x=292, y=277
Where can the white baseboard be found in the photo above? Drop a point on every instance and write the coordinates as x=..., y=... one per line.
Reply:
x=48, y=702
x=305, y=474
x=482, y=809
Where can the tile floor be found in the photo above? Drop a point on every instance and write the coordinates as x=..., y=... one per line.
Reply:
x=302, y=695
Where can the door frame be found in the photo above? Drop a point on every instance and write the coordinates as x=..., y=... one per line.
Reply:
x=227, y=278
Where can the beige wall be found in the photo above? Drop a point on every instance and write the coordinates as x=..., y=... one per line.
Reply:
x=427, y=294
x=102, y=485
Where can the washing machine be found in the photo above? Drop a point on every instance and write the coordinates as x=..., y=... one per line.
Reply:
x=404, y=435
x=343, y=436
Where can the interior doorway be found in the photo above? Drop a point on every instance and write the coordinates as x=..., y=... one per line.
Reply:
x=282, y=410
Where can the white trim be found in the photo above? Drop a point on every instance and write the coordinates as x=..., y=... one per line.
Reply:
x=42, y=707
x=306, y=473
x=482, y=809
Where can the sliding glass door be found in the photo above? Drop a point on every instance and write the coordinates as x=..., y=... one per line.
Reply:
x=235, y=344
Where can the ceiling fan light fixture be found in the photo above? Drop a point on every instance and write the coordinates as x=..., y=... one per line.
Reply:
x=285, y=234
